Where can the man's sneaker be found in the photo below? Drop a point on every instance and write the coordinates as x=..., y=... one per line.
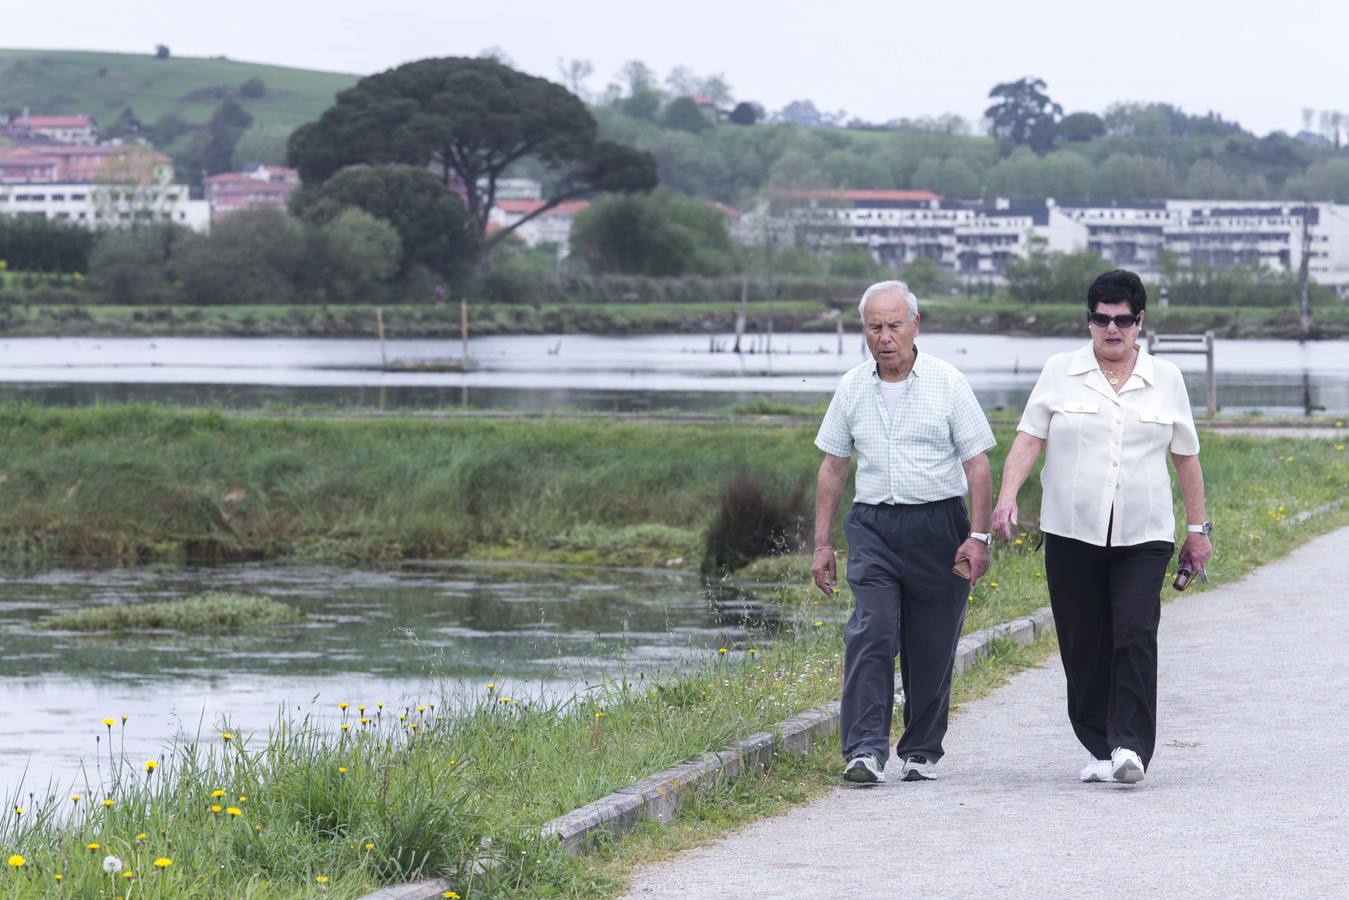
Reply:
x=1125, y=766
x=917, y=768
x=863, y=770
x=1098, y=770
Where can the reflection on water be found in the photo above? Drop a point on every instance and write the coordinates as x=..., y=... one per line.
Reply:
x=393, y=636
x=599, y=373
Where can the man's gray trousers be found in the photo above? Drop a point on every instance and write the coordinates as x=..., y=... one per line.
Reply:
x=908, y=603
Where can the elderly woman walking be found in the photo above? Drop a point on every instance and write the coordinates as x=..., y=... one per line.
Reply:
x=1108, y=414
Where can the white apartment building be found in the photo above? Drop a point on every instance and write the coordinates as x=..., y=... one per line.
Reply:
x=975, y=239
x=103, y=185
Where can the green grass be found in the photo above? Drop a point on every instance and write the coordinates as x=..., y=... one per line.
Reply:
x=459, y=789
x=54, y=82
x=201, y=614
x=140, y=482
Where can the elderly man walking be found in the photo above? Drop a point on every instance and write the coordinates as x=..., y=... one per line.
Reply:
x=920, y=439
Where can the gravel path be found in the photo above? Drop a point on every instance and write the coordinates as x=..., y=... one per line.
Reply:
x=1248, y=794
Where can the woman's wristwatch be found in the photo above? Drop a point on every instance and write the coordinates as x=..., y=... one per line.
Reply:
x=983, y=536
x=1205, y=528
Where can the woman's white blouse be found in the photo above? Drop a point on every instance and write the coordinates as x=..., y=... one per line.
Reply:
x=1106, y=451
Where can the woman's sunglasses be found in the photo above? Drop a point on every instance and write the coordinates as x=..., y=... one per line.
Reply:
x=1122, y=321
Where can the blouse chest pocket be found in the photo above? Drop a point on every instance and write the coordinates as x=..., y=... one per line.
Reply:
x=1079, y=406
x=1155, y=417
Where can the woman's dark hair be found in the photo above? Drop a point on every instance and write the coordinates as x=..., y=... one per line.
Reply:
x=1117, y=286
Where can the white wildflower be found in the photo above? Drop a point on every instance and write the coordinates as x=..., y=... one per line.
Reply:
x=112, y=865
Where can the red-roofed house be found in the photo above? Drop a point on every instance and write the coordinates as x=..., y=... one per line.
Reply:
x=552, y=227
x=264, y=186
x=77, y=129
x=78, y=164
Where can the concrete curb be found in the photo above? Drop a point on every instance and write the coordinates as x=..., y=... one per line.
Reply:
x=659, y=797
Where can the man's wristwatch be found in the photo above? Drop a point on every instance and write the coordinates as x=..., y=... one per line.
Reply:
x=982, y=536
x=1205, y=528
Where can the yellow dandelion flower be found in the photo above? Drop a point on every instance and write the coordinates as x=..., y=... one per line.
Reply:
x=58, y=877
x=599, y=714
x=235, y=811
x=107, y=802
x=215, y=809
x=379, y=705
x=16, y=860
x=91, y=847
x=226, y=736
x=150, y=766
x=321, y=879
x=243, y=798
x=342, y=706
x=723, y=650
x=364, y=720
x=19, y=810
x=421, y=709
x=163, y=862
x=451, y=895
x=818, y=623
x=345, y=727
x=491, y=685
x=74, y=798
x=124, y=718
x=402, y=716
x=369, y=846
x=128, y=874
x=412, y=726
x=453, y=761
x=217, y=793
x=361, y=708
x=341, y=770
x=753, y=652
x=110, y=722
x=141, y=837
x=992, y=584
x=1017, y=542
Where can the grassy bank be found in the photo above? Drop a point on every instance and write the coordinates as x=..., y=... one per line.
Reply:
x=375, y=794
x=136, y=483
x=974, y=316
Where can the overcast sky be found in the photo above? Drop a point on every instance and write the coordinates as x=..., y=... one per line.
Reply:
x=1260, y=63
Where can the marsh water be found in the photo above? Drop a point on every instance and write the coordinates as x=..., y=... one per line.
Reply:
x=423, y=632
x=624, y=374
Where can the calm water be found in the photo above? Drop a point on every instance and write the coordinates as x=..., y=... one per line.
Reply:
x=599, y=373
x=399, y=636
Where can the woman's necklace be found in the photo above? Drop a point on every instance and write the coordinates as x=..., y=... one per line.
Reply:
x=1114, y=377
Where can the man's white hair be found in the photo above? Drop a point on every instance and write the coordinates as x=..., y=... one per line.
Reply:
x=885, y=287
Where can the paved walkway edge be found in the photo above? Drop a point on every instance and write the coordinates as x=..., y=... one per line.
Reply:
x=660, y=796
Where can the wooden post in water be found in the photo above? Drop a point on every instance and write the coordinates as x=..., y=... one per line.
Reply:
x=840, y=334
x=379, y=329
x=463, y=330
x=743, y=314
x=1210, y=382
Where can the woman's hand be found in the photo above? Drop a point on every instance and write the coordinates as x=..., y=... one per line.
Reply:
x=822, y=568
x=1005, y=518
x=1197, y=549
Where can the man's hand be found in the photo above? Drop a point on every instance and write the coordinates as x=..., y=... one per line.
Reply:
x=977, y=553
x=822, y=567
x=1197, y=549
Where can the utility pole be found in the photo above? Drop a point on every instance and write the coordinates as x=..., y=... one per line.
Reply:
x=1305, y=318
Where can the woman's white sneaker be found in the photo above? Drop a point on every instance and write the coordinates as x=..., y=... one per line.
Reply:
x=1097, y=771
x=1126, y=767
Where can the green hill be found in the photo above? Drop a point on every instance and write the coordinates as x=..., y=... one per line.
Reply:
x=103, y=84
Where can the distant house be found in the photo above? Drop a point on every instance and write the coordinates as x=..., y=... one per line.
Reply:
x=263, y=186
x=552, y=227
x=76, y=130
x=709, y=108
x=102, y=185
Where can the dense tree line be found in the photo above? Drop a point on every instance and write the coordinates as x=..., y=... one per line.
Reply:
x=1129, y=151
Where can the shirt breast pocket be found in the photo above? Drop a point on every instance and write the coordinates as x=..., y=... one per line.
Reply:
x=1152, y=417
